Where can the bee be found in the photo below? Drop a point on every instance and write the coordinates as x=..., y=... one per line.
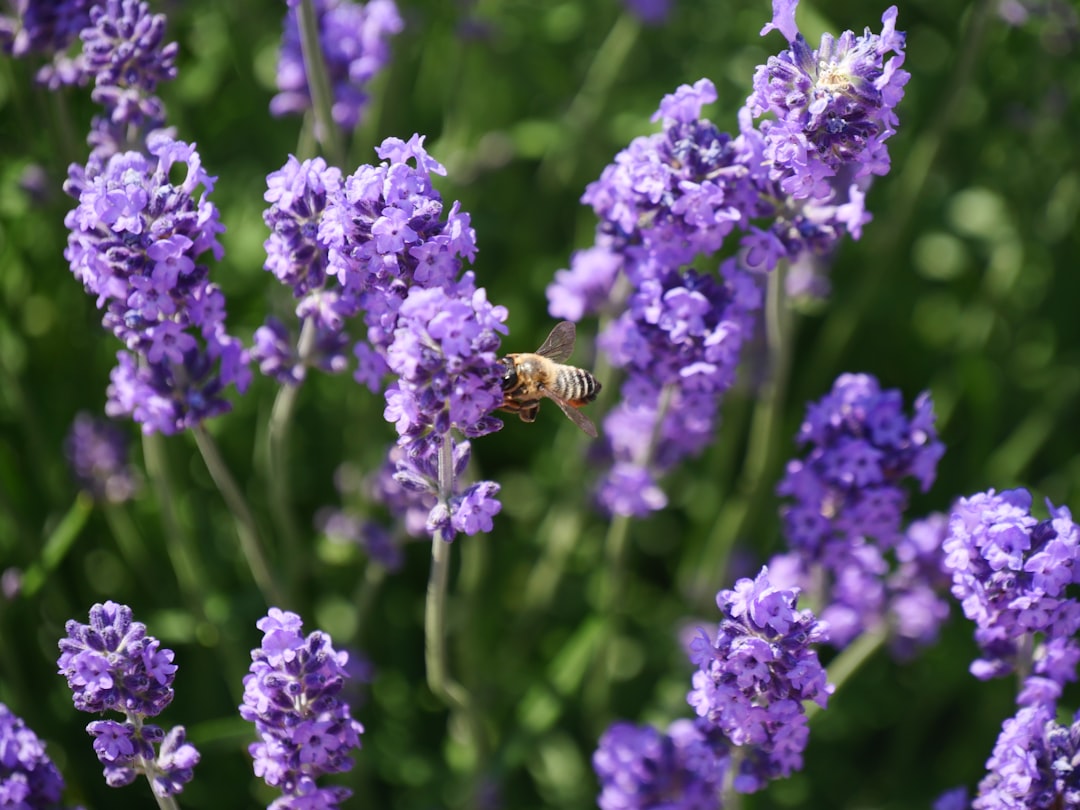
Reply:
x=529, y=377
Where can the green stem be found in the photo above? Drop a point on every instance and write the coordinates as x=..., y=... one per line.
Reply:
x=441, y=683
x=850, y=659
x=588, y=104
x=246, y=529
x=131, y=546
x=750, y=492
x=281, y=417
x=178, y=544
x=57, y=545
x=319, y=84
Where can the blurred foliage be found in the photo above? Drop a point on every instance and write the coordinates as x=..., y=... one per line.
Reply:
x=961, y=285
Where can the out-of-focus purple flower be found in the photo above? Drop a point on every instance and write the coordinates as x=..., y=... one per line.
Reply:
x=641, y=768
x=1010, y=573
x=752, y=680
x=46, y=28
x=650, y=12
x=28, y=778
x=136, y=240
x=954, y=799
x=586, y=285
x=376, y=541
x=112, y=664
x=355, y=46
x=848, y=504
x=96, y=451
x=305, y=728
x=832, y=108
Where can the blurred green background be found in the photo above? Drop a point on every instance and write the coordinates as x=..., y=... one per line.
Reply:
x=965, y=283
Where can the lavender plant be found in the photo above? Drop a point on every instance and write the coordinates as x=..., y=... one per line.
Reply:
x=534, y=638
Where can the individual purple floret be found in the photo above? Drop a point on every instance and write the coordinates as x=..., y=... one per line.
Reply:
x=752, y=680
x=355, y=46
x=136, y=241
x=1011, y=572
x=124, y=55
x=641, y=768
x=28, y=778
x=831, y=108
x=96, y=451
x=292, y=695
x=111, y=664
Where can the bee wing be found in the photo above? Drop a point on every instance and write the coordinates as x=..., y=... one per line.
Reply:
x=560, y=343
x=575, y=416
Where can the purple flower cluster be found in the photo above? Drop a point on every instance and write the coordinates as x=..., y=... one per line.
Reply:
x=833, y=108
x=679, y=342
x=292, y=695
x=46, y=28
x=111, y=664
x=28, y=778
x=355, y=46
x=136, y=239
x=1034, y=762
x=1011, y=573
x=752, y=680
x=298, y=195
x=641, y=768
x=96, y=451
x=848, y=501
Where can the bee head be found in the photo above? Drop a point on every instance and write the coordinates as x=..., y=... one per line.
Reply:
x=509, y=373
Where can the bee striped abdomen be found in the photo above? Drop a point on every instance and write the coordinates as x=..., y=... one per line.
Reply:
x=576, y=385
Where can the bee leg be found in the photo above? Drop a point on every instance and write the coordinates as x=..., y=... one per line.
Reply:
x=528, y=413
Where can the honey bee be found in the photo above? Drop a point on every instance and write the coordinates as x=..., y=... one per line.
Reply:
x=529, y=377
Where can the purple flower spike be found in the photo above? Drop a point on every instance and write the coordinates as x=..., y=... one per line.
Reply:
x=136, y=242
x=355, y=45
x=833, y=107
x=111, y=664
x=752, y=680
x=1010, y=572
x=47, y=29
x=640, y=768
x=28, y=778
x=305, y=728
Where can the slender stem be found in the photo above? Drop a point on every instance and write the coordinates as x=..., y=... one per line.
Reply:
x=281, y=416
x=732, y=799
x=588, y=104
x=57, y=545
x=732, y=520
x=178, y=545
x=246, y=529
x=319, y=84
x=441, y=683
x=850, y=659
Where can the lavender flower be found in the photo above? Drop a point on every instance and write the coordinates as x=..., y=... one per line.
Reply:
x=96, y=451
x=752, y=680
x=1033, y=764
x=640, y=768
x=355, y=45
x=47, y=28
x=124, y=55
x=848, y=501
x=1011, y=573
x=650, y=12
x=679, y=342
x=832, y=108
x=28, y=778
x=135, y=242
x=292, y=697
x=111, y=664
